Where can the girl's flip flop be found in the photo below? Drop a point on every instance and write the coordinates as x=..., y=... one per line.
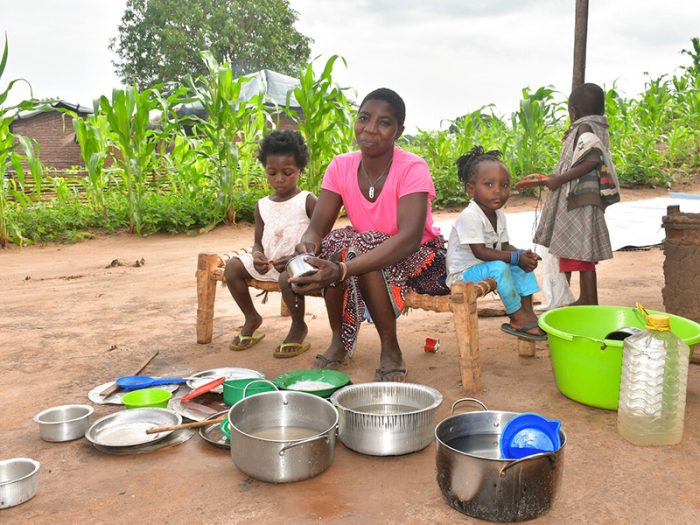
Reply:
x=246, y=341
x=523, y=333
x=285, y=350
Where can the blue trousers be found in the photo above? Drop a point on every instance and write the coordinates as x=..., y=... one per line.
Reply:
x=513, y=282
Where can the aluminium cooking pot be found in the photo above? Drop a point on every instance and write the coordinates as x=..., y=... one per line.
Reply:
x=18, y=481
x=282, y=436
x=476, y=480
x=64, y=423
x=386, y=418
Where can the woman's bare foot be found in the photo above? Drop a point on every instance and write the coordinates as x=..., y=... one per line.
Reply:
x=331, y=358
x=391, y=365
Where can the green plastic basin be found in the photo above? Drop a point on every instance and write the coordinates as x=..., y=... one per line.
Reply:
x=147, y=397
x=334, y=378
x=586, y=366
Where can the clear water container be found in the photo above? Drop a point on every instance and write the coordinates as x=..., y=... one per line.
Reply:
x=653, y=385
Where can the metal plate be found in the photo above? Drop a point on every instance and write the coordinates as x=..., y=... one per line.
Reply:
x=199, y=408
x=177, y=437
x=128, y=427
x=116, y=398
x=213, y=433
x=201, y=378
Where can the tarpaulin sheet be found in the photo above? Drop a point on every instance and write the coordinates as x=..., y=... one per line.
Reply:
x=630, y=223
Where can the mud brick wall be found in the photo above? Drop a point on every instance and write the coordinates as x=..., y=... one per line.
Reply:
x=681, y=292
x=55, y=135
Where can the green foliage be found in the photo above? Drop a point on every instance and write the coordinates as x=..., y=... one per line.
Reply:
x=231, y=130
x=8, y=187
x=92, y=135
x=185, y=173
x=536, y=134
x=131, y=135
x=159, y=40
x=325, y=120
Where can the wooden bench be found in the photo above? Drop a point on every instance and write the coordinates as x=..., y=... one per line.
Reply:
x=461, y=302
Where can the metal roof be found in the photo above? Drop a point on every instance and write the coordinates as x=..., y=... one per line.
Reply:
x=61, y=104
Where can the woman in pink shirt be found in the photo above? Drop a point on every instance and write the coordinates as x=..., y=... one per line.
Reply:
x=392, y=243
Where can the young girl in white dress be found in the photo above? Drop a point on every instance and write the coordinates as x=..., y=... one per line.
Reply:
x=280, y=220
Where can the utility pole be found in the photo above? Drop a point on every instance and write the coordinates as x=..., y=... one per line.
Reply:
x=580, y=37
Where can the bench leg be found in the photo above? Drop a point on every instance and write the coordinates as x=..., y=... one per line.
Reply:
x=206, y=294
x=463, y=299
x=526, y=348
x=284, y=309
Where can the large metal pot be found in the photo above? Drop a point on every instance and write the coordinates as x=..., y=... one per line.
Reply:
x=64, y=423
x=18, y=480
x=386, y=419
x=476, y=480
x=282, y=457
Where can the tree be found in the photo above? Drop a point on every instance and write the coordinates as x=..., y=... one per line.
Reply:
x=161, y=40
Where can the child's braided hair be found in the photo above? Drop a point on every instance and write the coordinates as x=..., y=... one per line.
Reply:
x=467, y=164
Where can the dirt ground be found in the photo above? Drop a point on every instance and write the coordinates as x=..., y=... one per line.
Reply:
x=69, y=324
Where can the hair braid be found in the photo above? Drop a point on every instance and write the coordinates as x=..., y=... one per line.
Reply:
x=467, y=164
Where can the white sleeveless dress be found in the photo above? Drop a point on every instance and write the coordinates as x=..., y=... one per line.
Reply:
x=284, y=224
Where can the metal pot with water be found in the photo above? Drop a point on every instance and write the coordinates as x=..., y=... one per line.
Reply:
x=477, y=481
x=282, y=436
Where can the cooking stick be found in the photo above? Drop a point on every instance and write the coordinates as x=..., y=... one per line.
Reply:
x=112, y=389
x=196, y=424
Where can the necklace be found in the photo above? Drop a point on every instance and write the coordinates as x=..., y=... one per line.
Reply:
x=373, y=184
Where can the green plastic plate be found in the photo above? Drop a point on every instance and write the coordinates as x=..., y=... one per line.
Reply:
x=333, y=377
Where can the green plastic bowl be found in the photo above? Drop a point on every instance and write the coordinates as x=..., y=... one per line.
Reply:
x=233, y=389
x=587, y=367
x=147, y=397
x=333, y=377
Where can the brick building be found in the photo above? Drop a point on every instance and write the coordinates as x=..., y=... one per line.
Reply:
x=53, y=130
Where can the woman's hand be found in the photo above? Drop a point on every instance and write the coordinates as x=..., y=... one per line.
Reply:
x=307, y=247
x=327, y=274
x=260, y=262
x=528, y=260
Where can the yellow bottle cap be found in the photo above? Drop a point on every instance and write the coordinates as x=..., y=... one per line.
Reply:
x=658, y=322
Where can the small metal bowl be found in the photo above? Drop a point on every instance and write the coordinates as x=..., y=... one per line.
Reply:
x=64, y=423
x=298, y=267
x=18, y=479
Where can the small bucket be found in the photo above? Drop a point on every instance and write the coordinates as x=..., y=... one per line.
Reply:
x=233, y=389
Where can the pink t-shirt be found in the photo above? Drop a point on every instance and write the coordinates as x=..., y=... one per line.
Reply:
x=408, y=174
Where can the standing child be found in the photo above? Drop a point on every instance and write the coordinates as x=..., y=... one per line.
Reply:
x=280, y=220
x=572, y=224
x=478, y=246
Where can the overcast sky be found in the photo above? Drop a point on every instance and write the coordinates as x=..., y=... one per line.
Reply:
x=445, y=57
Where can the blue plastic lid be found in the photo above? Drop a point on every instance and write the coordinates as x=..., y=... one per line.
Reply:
x=528, y=434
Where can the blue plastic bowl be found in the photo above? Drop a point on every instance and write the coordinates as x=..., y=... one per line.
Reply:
x=529, y=433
